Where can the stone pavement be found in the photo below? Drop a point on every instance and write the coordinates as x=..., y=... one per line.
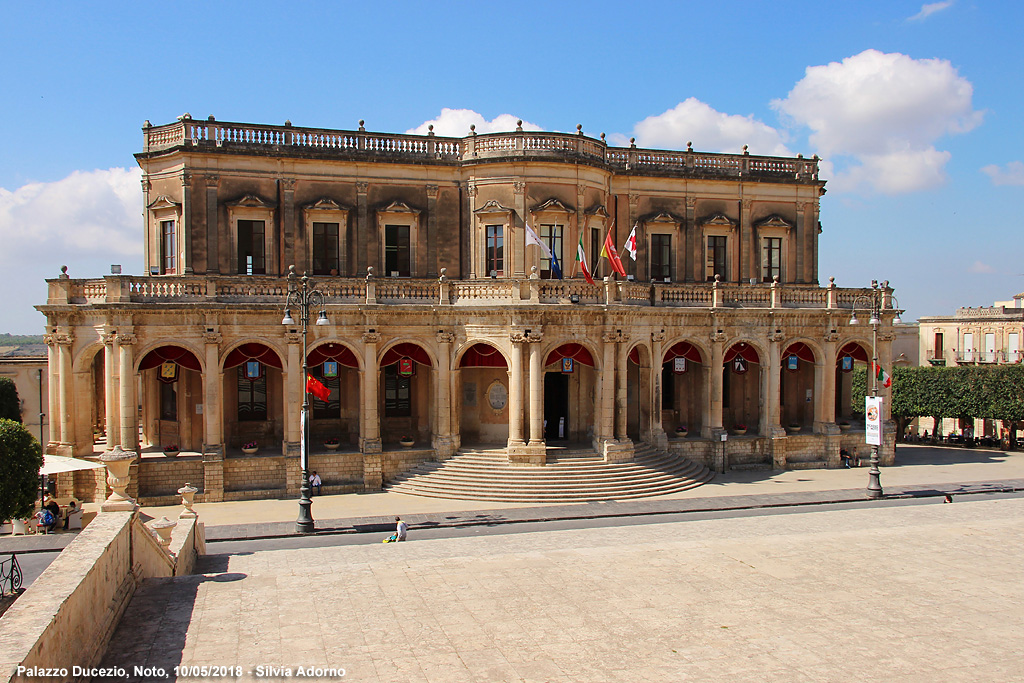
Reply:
x=906, y=593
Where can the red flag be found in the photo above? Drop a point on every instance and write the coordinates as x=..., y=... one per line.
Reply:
x=317, y=388
x=612, y=255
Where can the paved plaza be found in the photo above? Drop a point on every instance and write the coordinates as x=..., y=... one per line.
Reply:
x=916, y=593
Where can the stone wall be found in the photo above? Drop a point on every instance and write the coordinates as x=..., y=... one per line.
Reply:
x=66, y=617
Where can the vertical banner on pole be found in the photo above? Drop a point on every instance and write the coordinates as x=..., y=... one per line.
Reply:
x=303, y=450
x=873, y=420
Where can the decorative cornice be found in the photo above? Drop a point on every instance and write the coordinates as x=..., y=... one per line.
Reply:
x=518, y=186
x=634, y=199
x=164, y=202
x=773, y=221
x=399, y=207
x=445, y=337
x=493, y=206
x=251, y=201
x=431, y=191
x=717, y=219
x=126, y=339
x=293, y=338
x=324, y=204
x=552, y=205
x=658, y=336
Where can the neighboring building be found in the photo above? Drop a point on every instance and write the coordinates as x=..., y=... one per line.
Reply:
x=983, y=335
x=905, y=351
x=445, y=325
x=26, y=365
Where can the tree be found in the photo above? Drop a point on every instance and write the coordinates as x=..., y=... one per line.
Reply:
x=21, y=458
x=10, y=404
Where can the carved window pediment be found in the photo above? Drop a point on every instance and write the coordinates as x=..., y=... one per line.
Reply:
x=399, y=207
x=552, y=206
x=325, y=204
x=598, y=211
x=492, y=207
x=774, y=221
x=163, y=202
x=719, y=220
x=251, y=201
x=664, y=218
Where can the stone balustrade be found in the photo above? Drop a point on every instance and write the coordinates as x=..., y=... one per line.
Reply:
x=395, y=291
x=211, y=135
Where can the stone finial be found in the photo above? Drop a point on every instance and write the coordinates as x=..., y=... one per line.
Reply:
x=472, y=129
x=188, y=493
x=689, y=146
x=430, y=129
x=369, y=272
x=832, y=282
x=800, y=155
x=602, y=137
x=579, y=129
x=444, y=275
x=163, y=528
x=147, y=124
x=362, y=124
x=287, y=123
x=718, y=278
x=210, y=118
x=745, y=150
x=64, y=272
x=632, y=142
x=118, y=463
x=519, y=126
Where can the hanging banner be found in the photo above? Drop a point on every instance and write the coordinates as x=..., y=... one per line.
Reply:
x=330, y=368
x=679, y=365
x=846, y=363
x=567, y=366
x=253, y=369
x=405, y=367
x=873, y=420
x=168, y=371
x=792, y=363
x=739, y=365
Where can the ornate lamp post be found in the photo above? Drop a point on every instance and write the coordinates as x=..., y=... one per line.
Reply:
x=303, y=295
x=874, y=303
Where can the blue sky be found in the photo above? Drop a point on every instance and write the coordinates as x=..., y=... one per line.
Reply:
x=914, y=107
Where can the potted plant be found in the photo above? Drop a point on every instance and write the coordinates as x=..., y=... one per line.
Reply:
x=250, y=447
x=171, y=450
x=844, y=426
x=331, y=444
x=793, y=427
x=739, y=429
x=681, y=430
x=406, y=441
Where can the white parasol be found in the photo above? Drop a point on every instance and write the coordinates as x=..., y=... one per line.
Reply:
x=53, y=464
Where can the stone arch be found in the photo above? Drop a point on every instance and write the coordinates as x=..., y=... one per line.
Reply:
x=685, y=398
x=640, y=384
x=169, y=399
x=744, y=402
x=470, y=343
x=801, y=369
x=482, y=383
x=570, y=398
x=335, y=364
x=406, y=404
x=253, y=408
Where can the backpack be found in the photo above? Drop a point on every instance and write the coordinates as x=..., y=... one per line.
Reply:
x=47, y=517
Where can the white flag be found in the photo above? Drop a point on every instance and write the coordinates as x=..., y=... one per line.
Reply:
x=531, y=238
x=630, y=247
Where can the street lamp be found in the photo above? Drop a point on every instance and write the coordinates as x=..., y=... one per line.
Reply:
x=303, y=295
x=874, y=304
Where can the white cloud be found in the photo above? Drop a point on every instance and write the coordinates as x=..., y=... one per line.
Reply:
x=456, y=123
x=86, y=221
x=979, y=267
x=708, y=129
x=1013, y=174
x=929, y=9
x=881, y=110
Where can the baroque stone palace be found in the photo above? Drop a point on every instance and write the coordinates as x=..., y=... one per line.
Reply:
x=446, y=327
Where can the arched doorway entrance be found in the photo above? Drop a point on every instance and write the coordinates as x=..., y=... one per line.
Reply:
x=405, y=391
x=741, y=389
x=253, y=396
x=483, y=374
x=796, y=387
x=851, y=361
x=171, y=380
x=570, y=385
x=683, y=394
x=337, y=368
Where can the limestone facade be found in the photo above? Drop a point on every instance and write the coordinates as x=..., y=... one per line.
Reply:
x=444, y=325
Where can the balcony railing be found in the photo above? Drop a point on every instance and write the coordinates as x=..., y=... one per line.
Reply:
x=242, y=289
x=287, y=140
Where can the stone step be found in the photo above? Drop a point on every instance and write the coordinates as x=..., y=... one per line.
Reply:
x=571, y=474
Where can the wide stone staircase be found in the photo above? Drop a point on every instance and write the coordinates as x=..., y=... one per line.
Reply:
x=570, y=475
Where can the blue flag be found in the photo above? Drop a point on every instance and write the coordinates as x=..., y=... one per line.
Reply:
x=556, y=271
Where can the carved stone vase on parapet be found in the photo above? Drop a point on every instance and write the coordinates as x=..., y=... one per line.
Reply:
x=188, y=493
x=118, y=463
x=163, y=528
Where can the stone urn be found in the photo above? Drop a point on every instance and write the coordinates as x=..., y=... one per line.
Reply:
x=251, y=450
x=331, y=445
x=406, y=442
x=844, y=426
x=163, y=528
x=188, y=493
x=118, y=463
x=794, y=429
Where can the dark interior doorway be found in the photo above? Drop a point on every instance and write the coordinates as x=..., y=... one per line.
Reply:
x=556, y=406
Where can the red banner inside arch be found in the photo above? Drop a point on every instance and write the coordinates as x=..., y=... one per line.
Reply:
x=405, y=350
x=685, y=350
x=331, y=351
x=252, y=351
x=744, y=350
x=176, y=354
x=577, y=352
x=853, y=349
x=482, y=355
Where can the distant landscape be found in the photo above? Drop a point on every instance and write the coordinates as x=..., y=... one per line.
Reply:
x=19, y=339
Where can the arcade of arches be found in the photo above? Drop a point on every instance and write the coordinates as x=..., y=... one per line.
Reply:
x=723, y=401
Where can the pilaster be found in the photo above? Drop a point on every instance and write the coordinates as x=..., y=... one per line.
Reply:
x=129, y=404
x=443, y=444
x=370, y=412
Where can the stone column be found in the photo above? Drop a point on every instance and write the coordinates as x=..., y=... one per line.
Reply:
x=771, y=417
x=536, y=392
x=213, y=450
x=293, y=382
x=129, y=405
x=65, y=387
x=110, y=405
x=443, y=443
x=715, y=385
x=370, y=411
x=53, y=393
x=515, y=391
x=606, y=415
x=657, y=428
x=825, y=401
x=621, y=388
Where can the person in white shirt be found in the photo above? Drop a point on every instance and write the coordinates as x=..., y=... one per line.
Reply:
x=401, y=530
x=314, y=483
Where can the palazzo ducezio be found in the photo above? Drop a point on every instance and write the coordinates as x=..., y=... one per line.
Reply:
x=445, y=327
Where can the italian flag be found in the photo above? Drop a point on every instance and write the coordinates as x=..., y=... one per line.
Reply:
x=581, y=260
x=882, y=376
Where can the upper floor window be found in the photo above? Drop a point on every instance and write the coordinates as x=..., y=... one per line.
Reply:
x=595, y=251
x=251, y=252
x=938, y=353
x=168, y=250
x=968, y=348
x=661, y=257
x=397, y=251
x=325, y=248
x=1013, y=348
x=715, y=262
x=771, y=259
x=494, y=257
x=551, y=235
